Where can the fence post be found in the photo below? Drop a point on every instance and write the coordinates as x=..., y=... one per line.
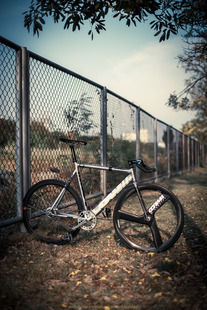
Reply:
x=183, y=140
x=23, y=132
x=197, y=154
x=25, y=121
x=177, y=152
x=192, y=154
x=168, y=151
x=155, y=147
x=103, y=139
x=138, y=140
x=189, y=154
x=19, y=193
x=202, y=151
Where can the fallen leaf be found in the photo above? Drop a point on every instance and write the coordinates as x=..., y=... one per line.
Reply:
x=74, y=273
x=78, y=283
x=141, y=281
x=167, y=259
x=155, y=275
x=158, y=295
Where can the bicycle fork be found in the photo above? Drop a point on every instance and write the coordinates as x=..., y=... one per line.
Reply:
x=147, y=217
x=154, y=207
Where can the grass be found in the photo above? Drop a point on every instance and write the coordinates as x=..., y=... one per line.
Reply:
x=96, y=272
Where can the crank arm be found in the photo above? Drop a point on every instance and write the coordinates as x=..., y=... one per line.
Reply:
x=79, y=225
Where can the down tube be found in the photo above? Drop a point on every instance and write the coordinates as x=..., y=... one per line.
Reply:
x=113, y=194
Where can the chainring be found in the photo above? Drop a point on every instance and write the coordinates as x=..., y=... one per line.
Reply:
x=90, y=219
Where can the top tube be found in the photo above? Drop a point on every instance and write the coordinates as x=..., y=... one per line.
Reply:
x=104, y=168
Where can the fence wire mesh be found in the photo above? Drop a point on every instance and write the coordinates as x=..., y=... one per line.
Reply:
x=162, y=167
x=173, y=143
x=9, y=129
x=180, y=152
x=121, y=136
x=147, y=140
x=64, y=104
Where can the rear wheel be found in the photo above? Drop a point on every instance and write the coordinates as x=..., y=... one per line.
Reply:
x=164, y=224
x=38, y=220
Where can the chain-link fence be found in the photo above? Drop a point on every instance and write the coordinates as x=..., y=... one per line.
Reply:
x=9, y=133
x=41, y=102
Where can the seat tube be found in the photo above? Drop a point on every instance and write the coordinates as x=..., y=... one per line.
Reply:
x=73, y=154
x=81, y=186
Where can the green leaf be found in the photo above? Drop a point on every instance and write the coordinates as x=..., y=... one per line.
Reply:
x=42, y=20
x=168, y=34
x=157, y=33
x=162, y=38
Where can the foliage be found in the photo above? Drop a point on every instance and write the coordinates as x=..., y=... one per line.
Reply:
x=171, y=137
x=78, y=116
x=7, y=128
x=169, y=16
x=196, y=21
x=196, y=128
x=41, y=137
x=194, y=96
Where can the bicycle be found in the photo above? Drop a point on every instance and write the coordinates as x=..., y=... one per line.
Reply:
x=146, y=217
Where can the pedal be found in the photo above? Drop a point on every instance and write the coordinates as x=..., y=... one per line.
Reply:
x=69, y=237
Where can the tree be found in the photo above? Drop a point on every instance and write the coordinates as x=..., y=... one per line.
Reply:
x=8, y=132
x=194, y=61
x=78, y=116
x=198, y=126
x=194, y=96
x=171, y=137
x=169, y=16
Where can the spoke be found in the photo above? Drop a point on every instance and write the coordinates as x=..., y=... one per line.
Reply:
x=156, y=234
x=132, y=217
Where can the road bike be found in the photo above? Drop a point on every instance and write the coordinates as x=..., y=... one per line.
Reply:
x=147, y=217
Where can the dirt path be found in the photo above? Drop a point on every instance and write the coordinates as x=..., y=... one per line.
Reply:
x=98, y=273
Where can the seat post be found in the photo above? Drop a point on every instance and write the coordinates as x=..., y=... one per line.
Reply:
x=73, y=153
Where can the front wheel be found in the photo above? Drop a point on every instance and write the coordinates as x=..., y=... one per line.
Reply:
x=41, y=222
x=164, y=222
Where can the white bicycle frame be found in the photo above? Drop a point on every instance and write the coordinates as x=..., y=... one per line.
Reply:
x=114, y=192
x=105, y=201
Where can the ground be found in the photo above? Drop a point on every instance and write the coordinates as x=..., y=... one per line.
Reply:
x=96, y=272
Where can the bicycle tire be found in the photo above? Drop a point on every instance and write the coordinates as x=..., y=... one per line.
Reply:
x=156, y=235
x=48, y=228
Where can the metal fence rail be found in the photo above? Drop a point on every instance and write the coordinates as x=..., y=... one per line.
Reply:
x=41, y=101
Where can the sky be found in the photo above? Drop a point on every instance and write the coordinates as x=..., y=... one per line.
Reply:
x=129, y=61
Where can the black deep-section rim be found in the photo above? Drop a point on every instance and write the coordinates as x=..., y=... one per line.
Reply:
x=180, y=218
